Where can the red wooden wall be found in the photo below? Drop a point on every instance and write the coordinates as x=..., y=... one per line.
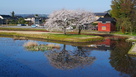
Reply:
x=109, y=27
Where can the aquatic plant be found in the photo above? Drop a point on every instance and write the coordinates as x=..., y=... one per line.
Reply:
x=30, y=44
x=19, y=38
x=34, y=46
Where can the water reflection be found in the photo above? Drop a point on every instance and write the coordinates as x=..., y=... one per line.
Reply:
x=64, y=59
x=120, y=60
x=107, y=58
x=80, y=57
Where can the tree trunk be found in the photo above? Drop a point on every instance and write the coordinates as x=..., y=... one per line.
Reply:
x=131, y=30
x=64, y=30
x=123, y=30
x=79, y=30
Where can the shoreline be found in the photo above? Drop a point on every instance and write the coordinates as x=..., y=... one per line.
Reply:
x=73, y=38
x=130, y=38
x=132, y=51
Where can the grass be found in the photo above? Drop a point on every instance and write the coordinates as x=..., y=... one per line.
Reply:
x=57, y=37
x=73, y=37
x=21, y=29
x=129, y=34
x=131, y=40
x=9, y=24
x=132, y=52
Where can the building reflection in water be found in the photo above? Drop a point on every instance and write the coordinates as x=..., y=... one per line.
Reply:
x=119, y=59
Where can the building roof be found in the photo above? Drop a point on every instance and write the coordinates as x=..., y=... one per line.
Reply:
x=18, y=16
x=5, y=16
x=101, y=14
x=30, y=16
x=107, y=19
x=39, y=16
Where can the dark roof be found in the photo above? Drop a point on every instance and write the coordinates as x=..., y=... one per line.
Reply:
x=18, y=16
x=107, y=19
x=30, y=16
x=100, y=14
x=5, y=16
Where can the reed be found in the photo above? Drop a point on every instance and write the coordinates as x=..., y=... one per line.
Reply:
x=30, y=44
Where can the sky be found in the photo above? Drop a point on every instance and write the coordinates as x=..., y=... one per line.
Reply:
x=48, y=6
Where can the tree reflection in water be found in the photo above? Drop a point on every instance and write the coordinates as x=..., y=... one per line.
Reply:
x=120, y=60
x=65, y=60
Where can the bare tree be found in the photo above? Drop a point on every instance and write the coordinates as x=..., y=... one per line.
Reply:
x=62, y=19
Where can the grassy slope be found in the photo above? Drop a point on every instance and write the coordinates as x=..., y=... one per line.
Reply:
x=130, y=52
x=130, y=39
x=57, y=37
x=127, y=34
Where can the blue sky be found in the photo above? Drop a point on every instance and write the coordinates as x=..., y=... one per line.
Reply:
x=48, y=6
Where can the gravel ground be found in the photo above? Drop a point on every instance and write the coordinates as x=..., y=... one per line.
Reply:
x=29, y=32
x=41, y=27
x=26, y=32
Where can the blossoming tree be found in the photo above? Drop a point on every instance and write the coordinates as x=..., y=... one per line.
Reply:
x=62, y=19
x=82, y=18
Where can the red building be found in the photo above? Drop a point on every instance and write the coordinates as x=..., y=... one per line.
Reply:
x=106, y=24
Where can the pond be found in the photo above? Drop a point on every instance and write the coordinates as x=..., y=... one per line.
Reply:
x=101, y=59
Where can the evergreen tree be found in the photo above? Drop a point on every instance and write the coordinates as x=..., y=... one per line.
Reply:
x=123, y=11
x=13, y=14
x=13, y=20
x=133, y=17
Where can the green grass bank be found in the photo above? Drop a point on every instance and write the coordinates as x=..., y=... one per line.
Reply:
x=132, y=51
x=56, y=37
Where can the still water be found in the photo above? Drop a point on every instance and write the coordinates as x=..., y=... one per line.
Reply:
x=102, y=59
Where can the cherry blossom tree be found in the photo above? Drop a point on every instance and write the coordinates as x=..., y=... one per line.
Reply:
x=83, y=18
x=59, y=20
x=62, y=19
